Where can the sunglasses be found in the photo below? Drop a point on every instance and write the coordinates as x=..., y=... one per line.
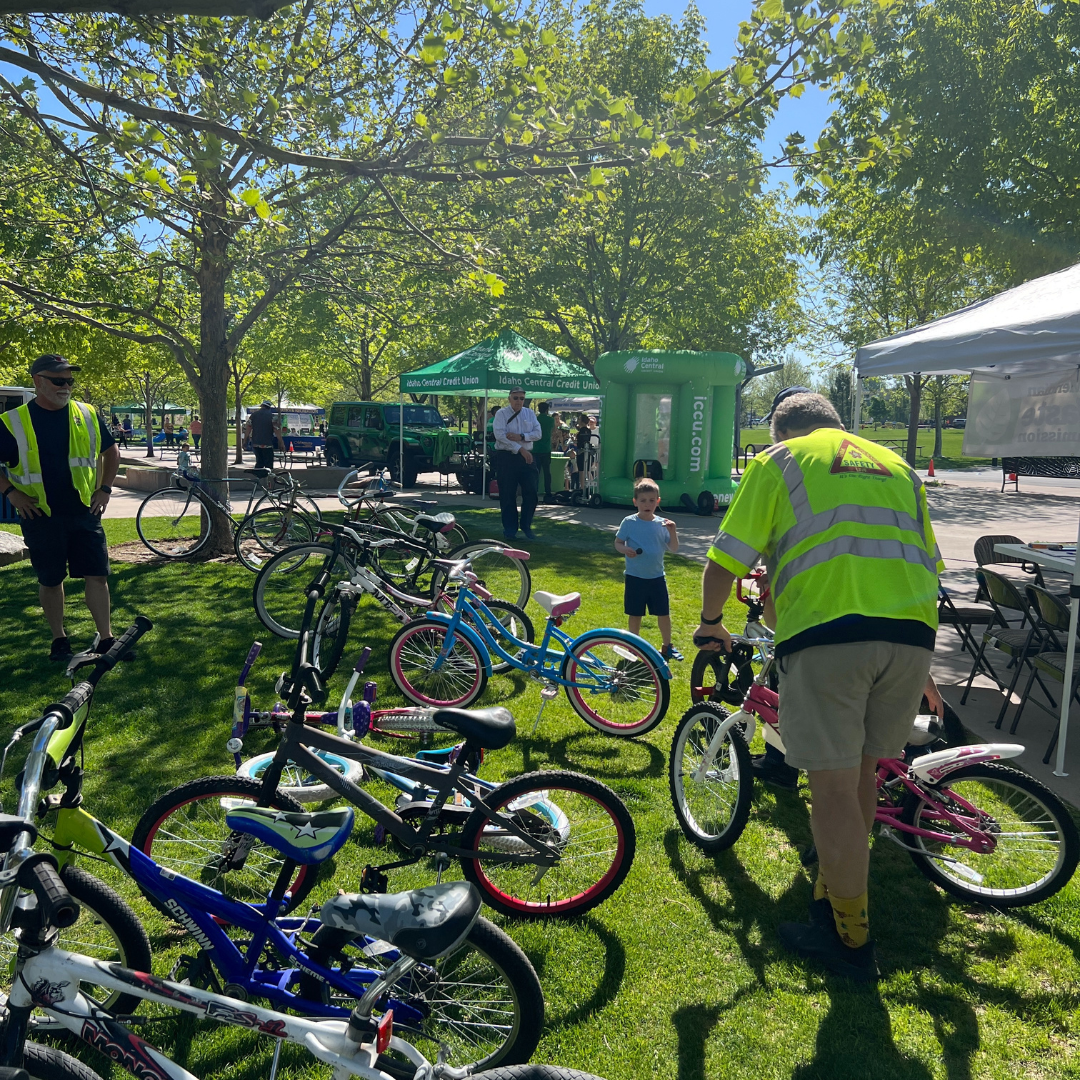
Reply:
x=60, y=382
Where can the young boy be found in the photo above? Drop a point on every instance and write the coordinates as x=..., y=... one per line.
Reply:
x=643, y=538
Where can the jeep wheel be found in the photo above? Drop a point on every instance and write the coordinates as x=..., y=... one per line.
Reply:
x=409, y=479
x=333, y=455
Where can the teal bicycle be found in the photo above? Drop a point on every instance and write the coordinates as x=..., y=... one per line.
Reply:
x=615, y=681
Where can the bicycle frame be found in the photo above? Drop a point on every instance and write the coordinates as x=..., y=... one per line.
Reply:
x=50, y=980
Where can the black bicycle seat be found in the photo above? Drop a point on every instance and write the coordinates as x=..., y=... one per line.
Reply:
x=435, y=522
x=423, y=923
x=490, y=728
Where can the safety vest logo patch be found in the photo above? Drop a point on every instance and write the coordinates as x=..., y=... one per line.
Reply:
x=854, y=459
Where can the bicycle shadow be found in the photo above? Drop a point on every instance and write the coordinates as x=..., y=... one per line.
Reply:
x=611, y=759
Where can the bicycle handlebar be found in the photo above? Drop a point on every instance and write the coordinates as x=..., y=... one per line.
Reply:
x=58, y=907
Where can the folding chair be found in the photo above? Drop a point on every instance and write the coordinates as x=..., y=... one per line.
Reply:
x=1052, y=619
x=985, y=555
x=1018, y=644
x=961, y=617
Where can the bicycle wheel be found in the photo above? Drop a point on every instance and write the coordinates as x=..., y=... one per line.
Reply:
x=299, y=783
x=404, y=521
x=594, y=840
x=483, y=1001
x=265, y=532
x=613, y=685
x=173, y=523
x=458, y=682
x=107, y=929
x=1036, y=844
x=280, y=592
x=712, y=809
x=331, y=633
x=506, y=578
x=48, y=1063
x=515, y=622
x=185, y=831
x=719, y=676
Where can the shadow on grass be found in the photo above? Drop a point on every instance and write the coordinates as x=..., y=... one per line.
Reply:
x=602, y=757
x=608, y=985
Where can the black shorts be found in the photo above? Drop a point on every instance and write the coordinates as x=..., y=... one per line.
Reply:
x=640, y=594
x=264, y=457
x=65, y=544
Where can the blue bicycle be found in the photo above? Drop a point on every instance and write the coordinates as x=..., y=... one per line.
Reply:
x=615, y=681
x=481, y=998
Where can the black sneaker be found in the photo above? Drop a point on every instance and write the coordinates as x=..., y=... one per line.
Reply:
x=821, y=913
x=777, y=773
x=61, y=650
x=823, y=944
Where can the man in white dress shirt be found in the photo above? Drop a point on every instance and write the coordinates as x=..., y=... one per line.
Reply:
x=516, y=429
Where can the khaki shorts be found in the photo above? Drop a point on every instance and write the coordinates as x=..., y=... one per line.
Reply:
x=839, y=702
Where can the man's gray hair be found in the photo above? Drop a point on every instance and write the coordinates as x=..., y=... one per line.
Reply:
x=803, y=411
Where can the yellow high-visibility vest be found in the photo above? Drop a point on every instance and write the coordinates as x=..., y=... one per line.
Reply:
x=84, y=449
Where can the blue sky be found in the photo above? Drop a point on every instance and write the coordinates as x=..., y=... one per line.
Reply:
x=806, y=114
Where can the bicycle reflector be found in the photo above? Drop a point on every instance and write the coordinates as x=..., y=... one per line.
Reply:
x=384, y=1031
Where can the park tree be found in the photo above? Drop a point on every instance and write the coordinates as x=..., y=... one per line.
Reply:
x=208, y=150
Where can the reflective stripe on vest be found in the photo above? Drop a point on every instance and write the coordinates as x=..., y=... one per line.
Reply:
x=808, y=525
x=90, y=419
x=14, y=422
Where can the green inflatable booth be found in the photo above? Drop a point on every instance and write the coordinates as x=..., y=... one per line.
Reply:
x=669, y=415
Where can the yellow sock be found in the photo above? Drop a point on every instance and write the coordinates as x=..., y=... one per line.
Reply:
x=821, y=890
x=851, y=922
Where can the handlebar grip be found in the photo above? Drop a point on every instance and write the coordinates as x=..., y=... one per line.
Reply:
x=11, y=1073
x=128, y=638
x=364, y=657
x=58, y=907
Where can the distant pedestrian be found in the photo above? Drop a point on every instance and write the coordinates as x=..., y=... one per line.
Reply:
x=167, y=428
x=129, y=428
x=118, y=432
x=183, y=458
x=265, y=428
x=542, y=447
x=195, y=430
x=516, y=429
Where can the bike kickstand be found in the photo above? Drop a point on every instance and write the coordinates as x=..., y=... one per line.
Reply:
x=276, y=1059
x=547, y=692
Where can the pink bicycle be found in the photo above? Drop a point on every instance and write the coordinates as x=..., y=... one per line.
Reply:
x=980, y=830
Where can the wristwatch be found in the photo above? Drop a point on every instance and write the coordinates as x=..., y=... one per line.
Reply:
x=105, y=488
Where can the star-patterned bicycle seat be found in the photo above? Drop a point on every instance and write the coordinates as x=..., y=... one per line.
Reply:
x=304, y=838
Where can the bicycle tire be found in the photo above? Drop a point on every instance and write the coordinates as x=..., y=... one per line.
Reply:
x=391, y=518
x=517, y=622
x=49, y=1063
x=723, y=687
x=331, y=633
x=170, y=529
x=298, y=783
x=595, y=855
x=631, y=689
x=183, y=845
x=713, y=812
x=413, y=650
x=463, y=996
x=107, y=929
x=501, y=575
x=534, y=1072
x=1059, y=842
x=280, y=590
x=265, y=532
x=305, y=504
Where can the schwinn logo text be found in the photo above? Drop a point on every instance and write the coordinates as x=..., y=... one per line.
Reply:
x=697, y=440
x=189, y=924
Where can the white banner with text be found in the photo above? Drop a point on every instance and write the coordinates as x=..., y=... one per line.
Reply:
x=1023, y=416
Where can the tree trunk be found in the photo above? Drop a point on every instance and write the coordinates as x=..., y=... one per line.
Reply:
x=937, y=414
x=365, y=369
x=148, y=416
x=914, y=384
x=238, y=457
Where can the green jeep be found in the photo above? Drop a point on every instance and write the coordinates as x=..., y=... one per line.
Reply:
x=367, y=432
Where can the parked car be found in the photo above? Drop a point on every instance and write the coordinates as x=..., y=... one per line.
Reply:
x=362, y=432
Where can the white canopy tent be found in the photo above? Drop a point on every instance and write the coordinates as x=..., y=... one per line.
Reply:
x=1032, y=330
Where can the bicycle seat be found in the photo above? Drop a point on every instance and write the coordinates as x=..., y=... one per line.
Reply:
x=422, y=923
x=490, y=728
x=435, y=522
x=556, y=604
x=304, y=838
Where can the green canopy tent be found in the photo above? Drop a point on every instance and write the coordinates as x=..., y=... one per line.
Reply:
x=495, y=366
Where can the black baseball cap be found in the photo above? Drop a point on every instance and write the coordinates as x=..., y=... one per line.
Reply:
x=51, y=362
x=267, y=405
x=785, y=393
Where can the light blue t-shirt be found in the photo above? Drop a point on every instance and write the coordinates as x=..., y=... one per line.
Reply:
x=652, y=538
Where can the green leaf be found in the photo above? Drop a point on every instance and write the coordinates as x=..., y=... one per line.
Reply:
x=548, y=37
x=251, y=197
x=520, y=59
x=597, y=177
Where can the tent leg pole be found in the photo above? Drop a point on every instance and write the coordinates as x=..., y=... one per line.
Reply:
x=857, y=412
x=1070, y=662
x=484, y=451
x=401, y=438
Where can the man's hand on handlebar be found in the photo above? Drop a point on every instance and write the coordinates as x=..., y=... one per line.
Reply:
x=712, y=638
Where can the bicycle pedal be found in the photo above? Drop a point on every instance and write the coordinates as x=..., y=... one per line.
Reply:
x=373, y=880
x=548, y=692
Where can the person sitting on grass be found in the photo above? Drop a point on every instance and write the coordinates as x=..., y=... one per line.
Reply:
x=643, y=538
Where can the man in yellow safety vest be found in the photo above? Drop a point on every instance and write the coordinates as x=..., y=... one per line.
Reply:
x=60, y=461
x=853, y=567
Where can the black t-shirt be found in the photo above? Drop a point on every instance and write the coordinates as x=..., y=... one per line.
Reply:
x=53, y=430
x=262, y=427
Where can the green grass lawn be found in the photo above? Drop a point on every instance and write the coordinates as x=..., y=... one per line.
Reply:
x=680, y=974
x=952, y=441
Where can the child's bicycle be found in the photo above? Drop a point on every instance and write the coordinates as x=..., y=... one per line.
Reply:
x=401, y=944
x=980, y=830
x=615, y=681
x=481, y=997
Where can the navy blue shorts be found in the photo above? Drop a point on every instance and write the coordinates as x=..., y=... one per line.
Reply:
x=645, y=593
x=64, y=544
